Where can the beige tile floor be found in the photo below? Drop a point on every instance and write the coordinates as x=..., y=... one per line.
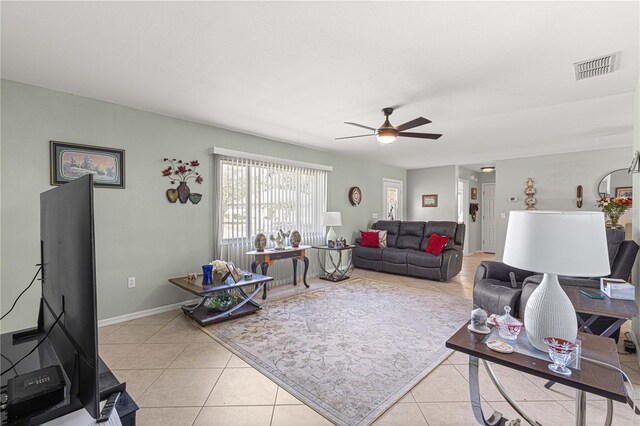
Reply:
x=180, y=376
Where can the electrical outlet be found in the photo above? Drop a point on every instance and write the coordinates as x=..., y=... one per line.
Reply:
x=131, y=282
x=503, y=216
x=374, y=216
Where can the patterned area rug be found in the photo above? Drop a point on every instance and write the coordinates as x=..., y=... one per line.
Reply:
x=349, y=350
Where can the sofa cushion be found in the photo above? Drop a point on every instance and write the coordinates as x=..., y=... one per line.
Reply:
x=367, y=253
x=436, y=244
x=392, y=227
x=394, y=255
x=370, y=239
x=425, y=260
x=382, y=238
x=410, y=235
x=441, y=228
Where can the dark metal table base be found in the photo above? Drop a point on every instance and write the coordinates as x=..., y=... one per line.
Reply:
x=496, y=418
x=337, y=274
x=205, y=316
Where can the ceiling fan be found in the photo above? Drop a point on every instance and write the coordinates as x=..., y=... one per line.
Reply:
x=387, y=133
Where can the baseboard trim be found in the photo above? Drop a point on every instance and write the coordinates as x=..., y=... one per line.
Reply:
x=142, y=314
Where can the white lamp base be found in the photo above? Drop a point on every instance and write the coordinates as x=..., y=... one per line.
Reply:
x=331, y=235
x=549, y=313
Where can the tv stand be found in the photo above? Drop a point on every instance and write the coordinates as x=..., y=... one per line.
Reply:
x=16, y=345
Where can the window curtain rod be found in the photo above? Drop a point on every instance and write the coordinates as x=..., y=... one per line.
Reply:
x=258, y=157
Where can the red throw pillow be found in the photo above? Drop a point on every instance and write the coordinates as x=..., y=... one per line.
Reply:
x=370, y=239
x=436, y=244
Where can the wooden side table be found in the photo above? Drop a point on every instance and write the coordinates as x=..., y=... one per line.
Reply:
x=267, y=258
x=590, y=377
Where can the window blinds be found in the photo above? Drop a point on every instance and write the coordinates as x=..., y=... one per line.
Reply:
x=255, y=196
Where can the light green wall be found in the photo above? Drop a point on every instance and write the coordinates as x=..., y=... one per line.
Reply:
x=138, y=232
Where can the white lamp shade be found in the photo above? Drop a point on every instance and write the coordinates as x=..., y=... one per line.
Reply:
x=555, y=242
x=333, y=219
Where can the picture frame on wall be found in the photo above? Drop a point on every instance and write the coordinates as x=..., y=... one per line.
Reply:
x=430, y=200
x=474, y=193
x=624, y=191
x=69, y=161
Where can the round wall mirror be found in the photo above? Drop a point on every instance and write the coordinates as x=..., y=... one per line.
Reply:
x=615, y=184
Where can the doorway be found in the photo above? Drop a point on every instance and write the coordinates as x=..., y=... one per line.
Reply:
x=489, y=217
x=463, y=211
x=391, y=199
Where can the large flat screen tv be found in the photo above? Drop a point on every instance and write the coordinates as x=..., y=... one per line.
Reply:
x=69, y=285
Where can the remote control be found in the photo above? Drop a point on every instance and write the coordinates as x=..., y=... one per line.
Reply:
x=108, y=407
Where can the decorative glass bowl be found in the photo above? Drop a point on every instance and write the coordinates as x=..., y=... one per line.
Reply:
x=508, y=326
x=222, y=302
x=560, y=351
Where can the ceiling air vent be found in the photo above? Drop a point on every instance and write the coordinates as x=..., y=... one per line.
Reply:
x=597, y=66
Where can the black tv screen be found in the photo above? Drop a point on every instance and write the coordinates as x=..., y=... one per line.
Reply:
x=69, y=284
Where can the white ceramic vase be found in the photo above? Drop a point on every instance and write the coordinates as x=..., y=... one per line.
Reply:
x=549, y=313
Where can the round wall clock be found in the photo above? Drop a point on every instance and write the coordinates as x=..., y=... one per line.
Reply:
x=355, y=195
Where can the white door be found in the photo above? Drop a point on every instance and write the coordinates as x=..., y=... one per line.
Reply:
x=391, y=199
x=488, y=217
x=463, y=212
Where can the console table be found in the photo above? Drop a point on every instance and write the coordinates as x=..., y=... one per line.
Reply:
x=267, y=257
x=338, y=273
x=591, y=377
x=203, y=315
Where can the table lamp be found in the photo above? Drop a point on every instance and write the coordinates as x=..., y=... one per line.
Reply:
x=331, y=219
x=555, y=243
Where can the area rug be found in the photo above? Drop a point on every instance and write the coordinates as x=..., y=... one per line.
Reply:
x=349, y=350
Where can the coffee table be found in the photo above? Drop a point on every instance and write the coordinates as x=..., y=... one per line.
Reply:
x=203, y=315
x=591, y=377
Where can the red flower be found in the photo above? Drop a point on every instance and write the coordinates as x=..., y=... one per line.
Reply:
x=194, y=163
x=182, y=169
x=166, y=172
x=199, y=179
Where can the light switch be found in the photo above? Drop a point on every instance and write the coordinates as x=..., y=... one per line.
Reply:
x=374, y=216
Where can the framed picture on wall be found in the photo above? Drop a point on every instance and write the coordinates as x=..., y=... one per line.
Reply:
x=70, y=161
x=474, y=193
x=430, y=200
x=624, y=191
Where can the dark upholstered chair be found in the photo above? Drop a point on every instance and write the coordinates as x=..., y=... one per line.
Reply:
x=405, y=252
x=496, y=284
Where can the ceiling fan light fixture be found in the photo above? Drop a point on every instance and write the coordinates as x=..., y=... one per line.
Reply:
x=386, y=136
x=487, y=169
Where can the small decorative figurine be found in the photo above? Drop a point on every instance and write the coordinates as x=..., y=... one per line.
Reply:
x=479, y=321
x=530, y=191
x=331, y=244
x=279, y=239
x=295, y=238
x=192, y=276
x=260, y=242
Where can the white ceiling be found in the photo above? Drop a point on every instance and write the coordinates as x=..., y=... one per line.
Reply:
x=496, y=78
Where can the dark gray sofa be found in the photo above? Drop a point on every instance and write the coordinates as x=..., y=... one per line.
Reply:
x=405, y=252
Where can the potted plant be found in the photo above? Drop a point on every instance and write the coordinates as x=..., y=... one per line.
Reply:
x=182, y=171
x=613, y=208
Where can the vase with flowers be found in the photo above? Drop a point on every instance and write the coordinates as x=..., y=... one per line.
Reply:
x=181, y=171
x=613, y=208
x=219, y=270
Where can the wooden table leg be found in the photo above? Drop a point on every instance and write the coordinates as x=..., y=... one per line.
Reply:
x=306, y=268
x=263, y=267
x=295, y=271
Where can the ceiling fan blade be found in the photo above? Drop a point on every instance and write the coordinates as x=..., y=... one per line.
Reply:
x=360, y=125
x=420, y=121
x=420, y=135
x=359, y=136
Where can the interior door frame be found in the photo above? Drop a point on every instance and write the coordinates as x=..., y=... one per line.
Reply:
x=494, y=218
x=399, y=207
x=466, y=199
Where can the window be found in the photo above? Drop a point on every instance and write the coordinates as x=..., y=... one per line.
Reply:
x=261, y=196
